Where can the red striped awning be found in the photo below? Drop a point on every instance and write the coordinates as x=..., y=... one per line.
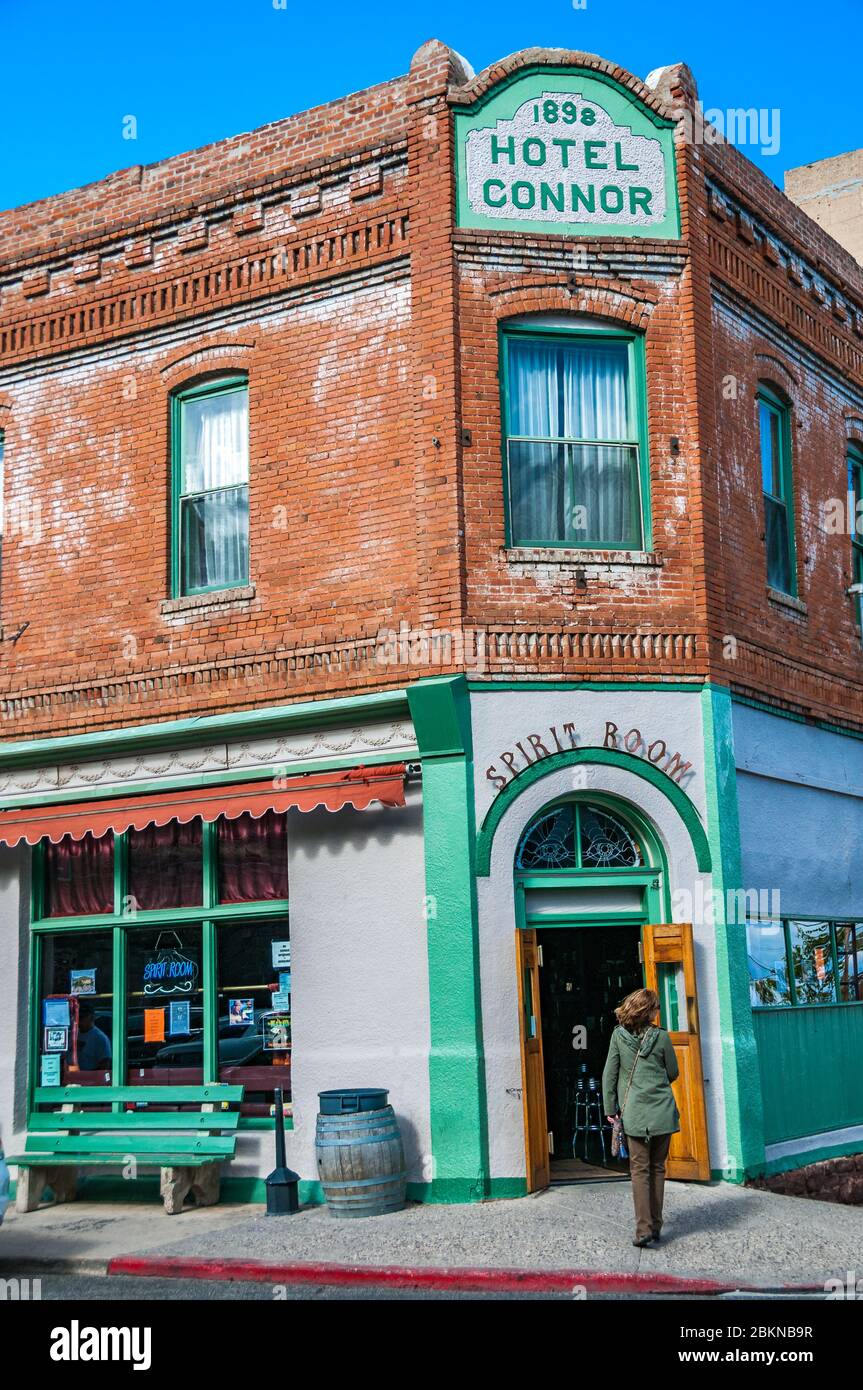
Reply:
x=357, y=786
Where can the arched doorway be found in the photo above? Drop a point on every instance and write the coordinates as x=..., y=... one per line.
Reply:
x=592, y=924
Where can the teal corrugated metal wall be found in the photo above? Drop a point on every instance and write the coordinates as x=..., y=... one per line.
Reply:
x=811, y=1064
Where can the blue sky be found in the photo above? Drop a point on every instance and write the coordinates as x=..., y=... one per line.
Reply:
x=192, y=73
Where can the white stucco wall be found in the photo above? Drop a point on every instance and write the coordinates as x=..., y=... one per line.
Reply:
x=14, y=943
x=800, y=797
x=499, y=719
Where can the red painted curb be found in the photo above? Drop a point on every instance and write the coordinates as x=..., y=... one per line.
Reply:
x=427, y=1277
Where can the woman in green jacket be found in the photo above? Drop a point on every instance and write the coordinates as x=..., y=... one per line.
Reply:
x=637, y=1081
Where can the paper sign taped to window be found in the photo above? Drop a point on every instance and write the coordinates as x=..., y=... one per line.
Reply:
x=281, y=955
x=154, y=1025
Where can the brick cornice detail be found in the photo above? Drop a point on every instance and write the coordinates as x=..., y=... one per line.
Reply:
x=223, y=354
x=318, y=254
x=590, y=297
x=529, y=58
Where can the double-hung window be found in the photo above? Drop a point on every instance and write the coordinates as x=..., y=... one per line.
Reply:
x=774, y=423
x=210, y=446
x=855, y=492
x=575, y=457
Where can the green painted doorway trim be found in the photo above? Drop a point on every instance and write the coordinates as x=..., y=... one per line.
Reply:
x=611, y=758
x=440, y=709
x=744, y=1117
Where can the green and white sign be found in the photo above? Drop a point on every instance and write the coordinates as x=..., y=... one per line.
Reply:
x=566, y=150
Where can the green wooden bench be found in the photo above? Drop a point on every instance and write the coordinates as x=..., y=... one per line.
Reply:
x=189, y=1146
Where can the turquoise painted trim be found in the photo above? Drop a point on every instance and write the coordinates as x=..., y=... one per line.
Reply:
x=610, y=757
x=636, y=412
x=781, y=408
x=654, y=880
x=771, y=1167
x=493, y=686
x=440, y=708
x=235, y=382
x=178, y=733
x=622, y=105
x=744, y=1115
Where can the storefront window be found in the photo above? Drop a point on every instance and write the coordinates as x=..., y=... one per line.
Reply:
x=768, y=966
x=803, y=961
x=164, y=1007
x=849, y=953
x=76, y=1009
x=253, y=859
x=254, y=1010
x=194, y=916
x=166, y=866
x=79, y=876
x=812, y=962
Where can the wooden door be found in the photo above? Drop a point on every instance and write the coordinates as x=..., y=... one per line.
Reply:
x=532, y=1073
x=669, y=968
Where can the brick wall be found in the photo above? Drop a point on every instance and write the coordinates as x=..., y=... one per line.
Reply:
x=319, y=255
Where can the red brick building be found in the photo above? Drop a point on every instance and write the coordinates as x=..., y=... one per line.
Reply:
x=496, y=431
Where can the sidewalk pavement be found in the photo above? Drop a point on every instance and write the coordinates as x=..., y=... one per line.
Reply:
x=735, y=1237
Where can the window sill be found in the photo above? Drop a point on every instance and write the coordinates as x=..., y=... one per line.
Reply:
x=194, y=603
x=787, y=601
x=554, y=555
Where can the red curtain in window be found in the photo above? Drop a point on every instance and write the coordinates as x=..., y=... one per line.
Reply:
x=253, y=858
x=166, y=866
x=79, y=875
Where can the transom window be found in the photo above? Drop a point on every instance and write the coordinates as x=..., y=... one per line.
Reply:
x=575, y=835
x=164, y=958
x=210, y=447
x=774, y=424
x=803, y=961
x=573, y=452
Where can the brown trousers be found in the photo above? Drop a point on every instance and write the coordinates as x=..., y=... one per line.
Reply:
x=647, y=1170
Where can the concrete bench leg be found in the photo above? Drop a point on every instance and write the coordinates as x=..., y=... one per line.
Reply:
x=177, y=1183
x=31, y=1184
x=205, y=1188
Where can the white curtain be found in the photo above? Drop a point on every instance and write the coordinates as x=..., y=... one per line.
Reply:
x=578, y=491
x=215, y=460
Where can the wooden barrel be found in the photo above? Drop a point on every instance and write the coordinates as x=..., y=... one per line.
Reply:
x=361, y=1162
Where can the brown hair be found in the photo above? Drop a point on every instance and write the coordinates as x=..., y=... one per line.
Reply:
x=637, y=1010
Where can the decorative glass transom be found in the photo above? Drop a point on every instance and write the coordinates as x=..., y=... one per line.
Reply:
x=578, y=836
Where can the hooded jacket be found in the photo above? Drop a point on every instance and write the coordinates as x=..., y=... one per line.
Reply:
x=650, y=1105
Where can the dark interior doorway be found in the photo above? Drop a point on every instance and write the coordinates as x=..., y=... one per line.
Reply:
x=586, y=972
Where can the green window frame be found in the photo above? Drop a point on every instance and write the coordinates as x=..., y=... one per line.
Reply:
x=774, y=434
x=855, y=491
x=126, y=918
x=820, y=962
x=196, y=508
x=571, y=451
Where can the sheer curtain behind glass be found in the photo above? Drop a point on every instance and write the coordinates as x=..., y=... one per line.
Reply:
x=215, y=502
x=566, y=483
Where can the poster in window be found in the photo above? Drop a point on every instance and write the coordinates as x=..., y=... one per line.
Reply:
x=82, y=981
x=179, y=1020
x=55, y=1012
x=55, y=1040
x=281, y=955
x=276, y=1031
x=241, y=1012
x=49, y=1072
